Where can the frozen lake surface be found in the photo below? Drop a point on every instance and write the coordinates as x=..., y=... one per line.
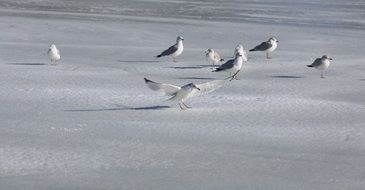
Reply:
x=91, y=123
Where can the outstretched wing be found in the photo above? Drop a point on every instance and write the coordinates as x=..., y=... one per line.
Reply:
x=208, y=87
x=169, y=51
x=167, y=89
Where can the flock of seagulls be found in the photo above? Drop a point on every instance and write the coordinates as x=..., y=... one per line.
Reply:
x=231, y=66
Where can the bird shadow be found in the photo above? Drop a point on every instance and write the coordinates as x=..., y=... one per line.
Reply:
x=197, y=78
x=137, y=61
x=287, y=77
x=192, y=67
x=119, y=109
x=362, y=79
x=30, y=64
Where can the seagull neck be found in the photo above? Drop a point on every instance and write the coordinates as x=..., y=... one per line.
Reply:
x=179, y=43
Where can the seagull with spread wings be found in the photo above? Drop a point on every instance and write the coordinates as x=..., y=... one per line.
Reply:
x=180, y=94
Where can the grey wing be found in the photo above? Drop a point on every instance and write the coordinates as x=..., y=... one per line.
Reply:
x=208, y=87
x=227, y=65
x=167, y=89
x=317, y=62
x=169, y=51
x=263, y=46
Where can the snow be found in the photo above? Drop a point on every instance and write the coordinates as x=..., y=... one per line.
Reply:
x=91, y=123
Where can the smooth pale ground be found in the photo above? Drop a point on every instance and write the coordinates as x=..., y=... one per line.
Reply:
x=91, y=123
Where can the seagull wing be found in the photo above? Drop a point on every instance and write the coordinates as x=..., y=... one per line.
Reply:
x=169, y=51
x=317, y=62
x=263, y=46
x=208, y=87
x=225, y=66
x=167, y=89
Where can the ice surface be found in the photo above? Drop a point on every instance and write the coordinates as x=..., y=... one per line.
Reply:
x=91, y=123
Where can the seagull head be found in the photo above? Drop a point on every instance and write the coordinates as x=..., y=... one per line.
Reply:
x=209, y=50
x=52, y=46
x=273, y=40
x=326, y=57
x=239, y=46
x=179, y=38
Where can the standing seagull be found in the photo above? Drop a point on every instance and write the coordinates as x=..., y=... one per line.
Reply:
x=180, y=94
x=174, y=50
x=231, y=66
x=239, y=49
x=268, y=46
x=53, y=54
x=212, y=56
x=321, y=63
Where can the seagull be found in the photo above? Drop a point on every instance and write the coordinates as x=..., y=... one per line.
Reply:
x=239, y=49
x=231, y=66
x=174, y=50
x=268, y=46
x=180, y=94
x=212, y=56
x=53, y=54
x=321, y=63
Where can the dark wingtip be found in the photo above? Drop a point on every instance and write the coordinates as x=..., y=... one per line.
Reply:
x=216, y=70
x=158, y=56
x=146, y=80
x=252, y=50
x=309, y=66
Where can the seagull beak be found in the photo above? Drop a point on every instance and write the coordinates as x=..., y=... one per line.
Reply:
x=277, y=41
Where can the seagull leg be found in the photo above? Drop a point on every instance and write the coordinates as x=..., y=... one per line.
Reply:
x=267, y=56
x=234, y=76
x=186, y=105
x=182, y=107
x=173, y=59
x=322, y=75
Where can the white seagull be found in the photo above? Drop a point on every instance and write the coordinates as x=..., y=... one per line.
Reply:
x=321, y=63
x=174, y=50
x=232, y=66
x=53, y=54
x=239, y=49
x=180, y=94
x=212, y=56
x=268, y=46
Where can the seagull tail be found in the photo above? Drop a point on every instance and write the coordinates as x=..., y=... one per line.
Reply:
x=146, y=80
x=217, y=70
x=309, y=66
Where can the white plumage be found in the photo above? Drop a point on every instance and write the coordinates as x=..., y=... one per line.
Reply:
x=321, y=64
x=180, y=94
x=212, y=56
x=53, y=54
